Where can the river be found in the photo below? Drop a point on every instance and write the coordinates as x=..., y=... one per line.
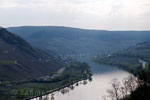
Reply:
x=92, y=90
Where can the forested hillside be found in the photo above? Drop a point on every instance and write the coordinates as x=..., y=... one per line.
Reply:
x=20, y=61
x=66, y=40
x=131, y=59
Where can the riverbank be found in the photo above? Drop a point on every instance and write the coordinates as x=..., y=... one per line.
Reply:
x=133, y=59
x=74, y=72
x=57, y=89
x=131, y=65
x=92, y=90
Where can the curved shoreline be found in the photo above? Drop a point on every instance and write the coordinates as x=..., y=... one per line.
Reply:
x=57, y=89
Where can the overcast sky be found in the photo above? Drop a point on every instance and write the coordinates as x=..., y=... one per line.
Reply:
x=91, y=14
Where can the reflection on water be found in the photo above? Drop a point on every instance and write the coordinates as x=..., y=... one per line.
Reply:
x=93, y=89
x=87, y=89
x=64, y=91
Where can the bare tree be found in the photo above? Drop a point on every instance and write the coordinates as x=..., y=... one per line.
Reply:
x=114, y=93
x=119, y=91
x=125, y=90
x=123, y=93
x=131, y=83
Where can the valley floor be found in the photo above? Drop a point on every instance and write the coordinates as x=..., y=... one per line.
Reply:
x=74, y=72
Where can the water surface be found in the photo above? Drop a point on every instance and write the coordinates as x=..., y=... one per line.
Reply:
x=94, y=90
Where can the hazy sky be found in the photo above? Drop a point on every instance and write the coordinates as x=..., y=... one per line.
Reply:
x=94, y=14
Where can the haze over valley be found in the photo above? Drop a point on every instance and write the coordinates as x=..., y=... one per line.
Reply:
x=67, y=40
x=74, y=50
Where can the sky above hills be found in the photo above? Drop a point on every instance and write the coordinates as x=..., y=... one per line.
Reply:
x=91, y=14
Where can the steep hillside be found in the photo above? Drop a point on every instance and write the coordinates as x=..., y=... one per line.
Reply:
x=132, y=59
x=65, y=40
x=20, y=61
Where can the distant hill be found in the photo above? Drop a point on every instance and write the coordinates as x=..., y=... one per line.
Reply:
x=131, y=59
x=66, y=40
x=20, y=61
